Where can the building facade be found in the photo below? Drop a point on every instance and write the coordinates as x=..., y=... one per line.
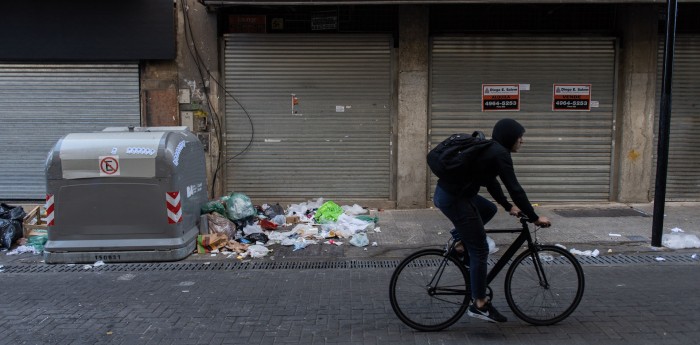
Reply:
x=296, y=100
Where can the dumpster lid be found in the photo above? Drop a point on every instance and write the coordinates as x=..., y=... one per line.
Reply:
x=110, y=154
x=146, y=129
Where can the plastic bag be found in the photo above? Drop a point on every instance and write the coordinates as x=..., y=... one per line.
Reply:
x=301, y=243
x=252, y=229
x=257, y=251
x=273, y=211
x=257, y=237
x=680, y=241
x=9, y=233
x=268, y=225
x=279, y=219
x=304, y=207
x=359, y=240
x=328, y=212
x=219, y=224
x=239, y=206
x=353, y=210
x=348, y=226
x=12, y=212
x=280, y=236
x=37, y=239
x=492, y=245
x=214, y=206
x=489, y=241
x=368, y=219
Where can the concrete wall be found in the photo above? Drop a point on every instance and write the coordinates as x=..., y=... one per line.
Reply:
x=412, y=179
x=636, y=103
x=632, y=161
x=194, y=80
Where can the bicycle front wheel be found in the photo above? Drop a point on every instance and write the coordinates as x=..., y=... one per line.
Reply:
x=429, y=291
x=545, y=286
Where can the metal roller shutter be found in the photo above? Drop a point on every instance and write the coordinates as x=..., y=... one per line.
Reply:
x=566, y=155
x=337, y=145
x=683, y=175
x=41, y=103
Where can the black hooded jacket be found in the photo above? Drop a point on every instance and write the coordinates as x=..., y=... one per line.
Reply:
x=496, y=161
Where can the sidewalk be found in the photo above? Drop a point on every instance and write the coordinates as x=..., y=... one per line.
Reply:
x=610, y=228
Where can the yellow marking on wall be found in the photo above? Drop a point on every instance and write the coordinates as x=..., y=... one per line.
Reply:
x=633, y=155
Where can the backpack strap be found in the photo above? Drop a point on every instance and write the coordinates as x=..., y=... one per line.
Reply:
x=479, y=134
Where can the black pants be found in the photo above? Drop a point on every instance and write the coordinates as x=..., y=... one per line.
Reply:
x=468, y=215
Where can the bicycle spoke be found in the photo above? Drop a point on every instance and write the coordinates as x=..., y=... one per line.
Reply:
x=547, y=290
x=428, y=292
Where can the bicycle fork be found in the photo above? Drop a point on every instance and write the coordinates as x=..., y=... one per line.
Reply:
x=539, y=268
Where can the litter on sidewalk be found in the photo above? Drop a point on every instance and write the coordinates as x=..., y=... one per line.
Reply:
x=679, y=240
x=592, y=253
x=249, y=231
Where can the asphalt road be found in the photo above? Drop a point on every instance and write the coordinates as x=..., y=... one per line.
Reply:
x=623, y=304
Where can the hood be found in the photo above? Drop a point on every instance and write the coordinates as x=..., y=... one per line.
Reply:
x=506, y=132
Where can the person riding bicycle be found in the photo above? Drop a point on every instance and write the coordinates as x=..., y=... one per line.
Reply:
x=469, y=212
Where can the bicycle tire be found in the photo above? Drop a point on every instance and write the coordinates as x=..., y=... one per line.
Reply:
x=412, y=300
x=529, y=298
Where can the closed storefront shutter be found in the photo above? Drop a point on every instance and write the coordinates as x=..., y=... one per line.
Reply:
x=567, y=154
x=41, y=103
x=683, y=175
x=335, y=142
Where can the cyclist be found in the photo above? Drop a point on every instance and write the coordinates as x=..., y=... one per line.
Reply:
x=469, y=211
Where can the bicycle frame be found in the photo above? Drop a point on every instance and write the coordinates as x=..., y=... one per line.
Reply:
x=524, y=237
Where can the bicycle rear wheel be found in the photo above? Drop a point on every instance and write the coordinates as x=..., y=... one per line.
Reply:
x=544, y=287
x=429, y=291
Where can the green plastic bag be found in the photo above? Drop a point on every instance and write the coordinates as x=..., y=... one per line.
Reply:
x=328, y=213
x=38, y=240
x=239, y=206
x=214, y=206
x=368, y=219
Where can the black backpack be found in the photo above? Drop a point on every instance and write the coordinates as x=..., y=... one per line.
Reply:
x=453, y=159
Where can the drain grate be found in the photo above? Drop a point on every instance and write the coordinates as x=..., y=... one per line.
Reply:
x=600, y=212
x=310, y=265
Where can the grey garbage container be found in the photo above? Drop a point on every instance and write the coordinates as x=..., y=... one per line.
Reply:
x=124, y=195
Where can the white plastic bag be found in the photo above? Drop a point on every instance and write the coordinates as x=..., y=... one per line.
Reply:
x=252, y=229
x=680, y=241
x=257, y=251
x=359, y=240
x=279, y=236
x=353, y=210
x=492, y=245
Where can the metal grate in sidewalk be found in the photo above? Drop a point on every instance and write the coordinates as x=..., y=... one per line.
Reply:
x=310, y=265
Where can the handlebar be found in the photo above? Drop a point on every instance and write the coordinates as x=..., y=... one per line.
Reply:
x=524, y=219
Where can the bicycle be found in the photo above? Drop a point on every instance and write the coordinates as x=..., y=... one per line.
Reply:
x=544, y=284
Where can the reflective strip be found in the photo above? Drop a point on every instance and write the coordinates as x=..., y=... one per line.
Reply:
x=173, y=205
x=49, y=210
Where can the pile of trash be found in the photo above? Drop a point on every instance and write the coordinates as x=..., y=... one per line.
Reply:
x=12, y=219
x=238, y=227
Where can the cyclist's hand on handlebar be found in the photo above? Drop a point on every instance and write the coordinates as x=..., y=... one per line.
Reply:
x=514, y=211
x=543, y=222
